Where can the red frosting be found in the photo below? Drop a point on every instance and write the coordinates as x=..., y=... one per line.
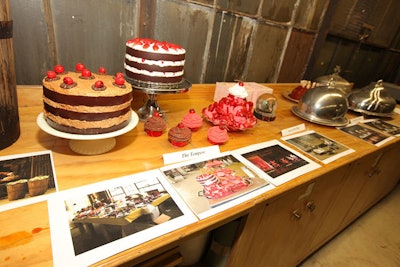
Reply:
x=145, y=42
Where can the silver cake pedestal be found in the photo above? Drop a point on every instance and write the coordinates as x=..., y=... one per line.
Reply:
x=152, y=90
x=90, y=144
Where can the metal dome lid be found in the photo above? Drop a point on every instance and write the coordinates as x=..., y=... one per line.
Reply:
x=372, y=101
x=325, y=105
x=340, y=83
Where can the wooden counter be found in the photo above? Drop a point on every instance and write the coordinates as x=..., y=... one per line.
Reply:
x=136, y=152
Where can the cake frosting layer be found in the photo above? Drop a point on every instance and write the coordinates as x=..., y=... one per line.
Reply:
x=150, y=60
x=88, y=103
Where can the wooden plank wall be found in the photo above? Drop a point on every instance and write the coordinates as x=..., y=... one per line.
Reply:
x=226, y=40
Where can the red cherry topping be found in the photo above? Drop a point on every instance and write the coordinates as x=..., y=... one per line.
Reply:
x=192, y=110
x=119, y=74
x=241, y=84
x=59, y=69
x=51, y=74
x=68, y=80
x=79, y=67
x=86, y=73
x=119, y=80
x=156, y=114
x=102, y=70
x=99, y=84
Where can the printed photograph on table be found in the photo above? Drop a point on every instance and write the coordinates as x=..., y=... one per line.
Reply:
x=275, y=161
x=383, y=126
x=367, y=134
x=318, y=146
x=26, y=178
x=99, y=220
x=212, y=185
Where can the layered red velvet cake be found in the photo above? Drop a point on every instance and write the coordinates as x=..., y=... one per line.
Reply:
x=148, y=60
x=82, y=102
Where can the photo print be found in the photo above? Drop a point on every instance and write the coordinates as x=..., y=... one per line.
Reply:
x=26, y=178
x=318, y=146
x=100, y=220
x=211, y=185
x=276, y=162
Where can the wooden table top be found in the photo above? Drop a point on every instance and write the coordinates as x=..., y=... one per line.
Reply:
x=136, y=152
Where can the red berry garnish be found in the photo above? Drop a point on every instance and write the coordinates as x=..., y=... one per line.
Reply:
x=102, y=70
x=155, y=47
x=99, y=84
x=119, y=80
x=192, y=110
x=119, y=74
x=241, y=84
x=51, y=74
x=79, y=67
x=86, y=73
x=59, y=69
x=68, y=80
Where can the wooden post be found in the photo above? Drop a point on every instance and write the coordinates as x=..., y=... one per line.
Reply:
x=9, y=118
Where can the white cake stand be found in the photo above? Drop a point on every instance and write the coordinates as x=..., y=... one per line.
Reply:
x=94, y=144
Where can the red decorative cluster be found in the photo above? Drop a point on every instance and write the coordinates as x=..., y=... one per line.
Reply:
x=146, y=43
x=235, y=113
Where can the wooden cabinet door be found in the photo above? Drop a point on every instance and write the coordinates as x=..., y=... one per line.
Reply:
x=377, y=174
x=280, y=233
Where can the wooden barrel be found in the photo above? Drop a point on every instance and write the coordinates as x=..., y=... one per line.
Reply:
x=9, y=118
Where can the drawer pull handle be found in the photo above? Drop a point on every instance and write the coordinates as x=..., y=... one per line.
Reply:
x=296, y=215
x=311, y=206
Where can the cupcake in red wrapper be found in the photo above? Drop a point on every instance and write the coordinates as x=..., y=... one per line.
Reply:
x=179, y=135
x=192, y=120
x=217, y=135
x=155, y=125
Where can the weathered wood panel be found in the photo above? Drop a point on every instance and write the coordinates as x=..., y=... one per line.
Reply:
x=221, y=45
x=267, y=48
x=240, y=6
x=188, y=27
x=278, y=10
x=310, y=13
x=241, y=50
x=297, y=53
x=91, y=35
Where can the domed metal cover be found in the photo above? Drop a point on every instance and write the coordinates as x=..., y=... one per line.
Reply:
x=340, y=83
x=324, y=105
x=375, y=102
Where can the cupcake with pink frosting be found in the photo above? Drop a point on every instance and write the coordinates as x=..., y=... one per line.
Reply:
x=217, y=135
x=192, y=120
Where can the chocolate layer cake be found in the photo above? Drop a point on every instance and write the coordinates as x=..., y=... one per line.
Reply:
x=86, y=103
x=154, y=61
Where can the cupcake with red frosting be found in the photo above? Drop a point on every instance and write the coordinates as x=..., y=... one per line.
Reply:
x=217, y=135
x=179, y=135
x=192, y=120
x=155, y=125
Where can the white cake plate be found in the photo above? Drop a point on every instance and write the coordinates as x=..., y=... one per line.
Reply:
x=90, y=144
